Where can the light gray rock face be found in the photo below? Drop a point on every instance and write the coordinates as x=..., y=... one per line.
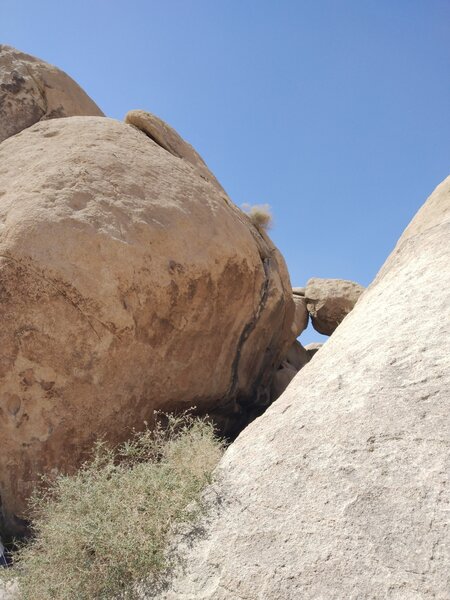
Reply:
x=9, y=591
x=31, y=90
x=340, y=490
x=329, y=301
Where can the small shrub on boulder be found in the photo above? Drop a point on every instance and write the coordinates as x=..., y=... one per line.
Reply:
x=260, y=215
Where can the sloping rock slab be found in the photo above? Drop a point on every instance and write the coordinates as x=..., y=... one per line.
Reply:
x=340, y=490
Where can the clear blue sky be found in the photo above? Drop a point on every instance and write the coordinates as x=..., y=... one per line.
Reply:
x=335, y=112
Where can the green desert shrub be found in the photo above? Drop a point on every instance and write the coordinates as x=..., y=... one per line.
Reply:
x=260, y=215
x=100, y=532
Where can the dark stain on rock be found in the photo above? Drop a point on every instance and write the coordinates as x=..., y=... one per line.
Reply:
x=46, y=385
x=17, y=83
x=175, y=267
x=56, y=113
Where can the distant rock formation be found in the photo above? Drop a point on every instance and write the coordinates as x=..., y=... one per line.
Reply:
x=31, y=90
x=340, y=490
x=129, y=282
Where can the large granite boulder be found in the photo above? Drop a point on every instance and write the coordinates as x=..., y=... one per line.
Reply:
x=31, y=90
x=340, y=490
x=128, y=283
x=329, y=301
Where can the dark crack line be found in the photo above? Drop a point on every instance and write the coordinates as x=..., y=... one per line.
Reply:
x=249, y=327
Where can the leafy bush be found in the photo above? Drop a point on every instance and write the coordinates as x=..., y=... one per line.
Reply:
x=259, y=214
x=103, y=530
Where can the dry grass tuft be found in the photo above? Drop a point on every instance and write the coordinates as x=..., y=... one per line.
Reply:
x=100, y=532
x=260, y=215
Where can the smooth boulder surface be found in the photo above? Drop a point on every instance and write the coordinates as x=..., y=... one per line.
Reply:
x=166, y=137
x=329, y=301
x=301, y=316
x=128, y=283
x=340, y=490
x=32, y=90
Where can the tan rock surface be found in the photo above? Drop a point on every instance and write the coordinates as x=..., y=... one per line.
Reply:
x=31, y=90
x=281, y=380
x=301, y=316
x=166, y=137
x=297, y=356
x=329, y=301
x=128, y=283
x=340, y=490
x=298, y=291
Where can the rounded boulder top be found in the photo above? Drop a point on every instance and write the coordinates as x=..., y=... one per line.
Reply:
x=32, y=90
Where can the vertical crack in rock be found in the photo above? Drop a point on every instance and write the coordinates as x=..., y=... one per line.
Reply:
x=249, y=327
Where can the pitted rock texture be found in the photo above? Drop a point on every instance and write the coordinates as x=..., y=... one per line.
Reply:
x=128, y=283
x=329, y=301
x=340, y=491
x=31, y=90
